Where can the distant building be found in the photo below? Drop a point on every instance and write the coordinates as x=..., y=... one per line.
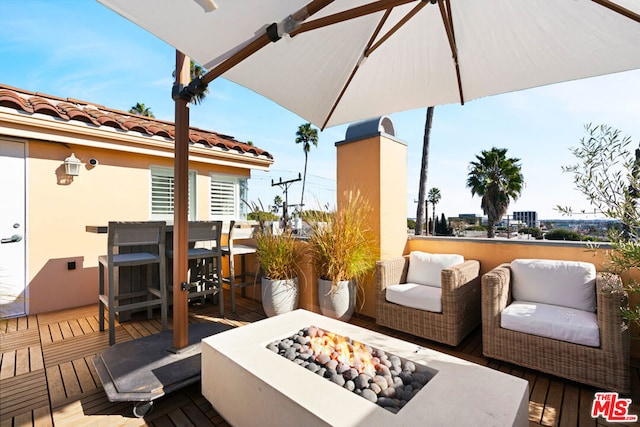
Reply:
x=527, y=217
x=469, y=219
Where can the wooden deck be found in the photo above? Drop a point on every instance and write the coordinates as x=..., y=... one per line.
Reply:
x=47, y=377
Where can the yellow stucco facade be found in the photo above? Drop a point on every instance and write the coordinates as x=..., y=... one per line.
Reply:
x=59, y=207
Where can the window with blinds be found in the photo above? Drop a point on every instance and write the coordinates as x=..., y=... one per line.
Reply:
x=225, y=197
x=162, y=193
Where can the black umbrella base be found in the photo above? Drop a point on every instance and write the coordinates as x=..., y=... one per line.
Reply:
x=145, y=369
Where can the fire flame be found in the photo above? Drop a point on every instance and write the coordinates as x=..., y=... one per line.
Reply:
x=338, y=348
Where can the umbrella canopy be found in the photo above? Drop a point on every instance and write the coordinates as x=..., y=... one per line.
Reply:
x=355, y=59
x=337, y=62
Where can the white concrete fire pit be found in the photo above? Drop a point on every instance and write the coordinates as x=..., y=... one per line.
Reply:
x=250, y=385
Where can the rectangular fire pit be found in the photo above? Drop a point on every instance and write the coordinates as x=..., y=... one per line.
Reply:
x=250, y=385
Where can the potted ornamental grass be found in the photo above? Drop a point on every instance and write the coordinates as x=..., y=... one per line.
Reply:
x=343, y=252
x=279, y=257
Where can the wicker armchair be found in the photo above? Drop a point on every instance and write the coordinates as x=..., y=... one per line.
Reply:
x=460, y=302
x=605, y=366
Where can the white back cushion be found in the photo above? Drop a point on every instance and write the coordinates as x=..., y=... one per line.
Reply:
x=425, y=268
x=565, y=283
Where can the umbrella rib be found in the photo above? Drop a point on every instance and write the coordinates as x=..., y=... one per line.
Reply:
x=357, y=67
x=447, y=20
x=349, y=14
x=396, y=27
x=261, y=41
x=618, y=9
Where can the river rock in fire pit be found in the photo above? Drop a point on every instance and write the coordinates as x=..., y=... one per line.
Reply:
x=384, y=379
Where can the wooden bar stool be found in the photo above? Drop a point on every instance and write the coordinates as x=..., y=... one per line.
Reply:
x=240, y=243
x=132, y=244
x=205, y=260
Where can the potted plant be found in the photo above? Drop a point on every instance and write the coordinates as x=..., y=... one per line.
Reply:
x=342, y=252
x=279, y=258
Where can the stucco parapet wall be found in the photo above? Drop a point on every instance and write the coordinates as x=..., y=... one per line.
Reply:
x=505, y=241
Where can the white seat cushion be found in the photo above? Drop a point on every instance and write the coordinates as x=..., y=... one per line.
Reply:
x=567, y=283
x=426, y=268
x=552, y=321
x=413, y=295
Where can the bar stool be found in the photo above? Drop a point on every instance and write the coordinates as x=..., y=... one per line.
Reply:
x=240, y=243
x=205, y=260
x=132, y=244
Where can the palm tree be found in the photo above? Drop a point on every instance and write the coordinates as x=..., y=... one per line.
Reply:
x=497, y=179
x=196, y=71
x=434, y=197
x=307, y=136
x=141, y=110
x=422, y=189
x=277, y=202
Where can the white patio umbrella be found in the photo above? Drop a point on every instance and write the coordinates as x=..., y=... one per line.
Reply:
x=364, y=58
x=333, y=62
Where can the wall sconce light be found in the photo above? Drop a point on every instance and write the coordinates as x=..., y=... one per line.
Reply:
x=72, y=165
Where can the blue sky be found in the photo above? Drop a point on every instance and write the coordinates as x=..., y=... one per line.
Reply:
x=80, y=49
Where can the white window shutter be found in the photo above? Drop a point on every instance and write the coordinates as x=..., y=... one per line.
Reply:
x=162, y=193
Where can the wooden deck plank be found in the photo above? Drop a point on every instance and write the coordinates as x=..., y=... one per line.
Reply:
x=56, y=385
x=36, y=361
x=92, y=369
x=24, y=419
x=22, y=361
x=570, y=404
x=22, y=323
x=42, y=417
x=179, y=418
x=8, y=367
x=85, y=326
x=131, y=330
x=93, y=323
x=531, y=378
x=553, y=404
x=85, y=379
x=70, y=380
x=10, y=325
x=537, y=399
x=75, y=327
x=584, y=408
x=55, y=332
x=65, y=329
x=45, y=334
x=162, y=421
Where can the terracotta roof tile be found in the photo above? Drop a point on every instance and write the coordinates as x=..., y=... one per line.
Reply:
x=73, y=110
x=11, y=99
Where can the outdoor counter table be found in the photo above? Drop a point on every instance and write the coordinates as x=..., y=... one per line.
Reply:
x=132, y=279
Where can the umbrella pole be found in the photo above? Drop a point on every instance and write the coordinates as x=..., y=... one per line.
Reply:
x=181, y=207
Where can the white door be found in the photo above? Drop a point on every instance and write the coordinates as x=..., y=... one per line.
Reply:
x=13, y=298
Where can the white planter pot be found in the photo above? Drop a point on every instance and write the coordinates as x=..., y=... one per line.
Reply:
x=279, y=296
x=340, y=303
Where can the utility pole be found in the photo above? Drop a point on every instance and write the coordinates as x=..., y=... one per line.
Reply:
x=286, y=185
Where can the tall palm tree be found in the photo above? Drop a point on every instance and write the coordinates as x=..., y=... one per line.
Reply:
x=141, y=110
x=434, y=197
x=277, y=202
x=497, y=179
x=196, y=70
x=306, y=135
x=422, y=188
